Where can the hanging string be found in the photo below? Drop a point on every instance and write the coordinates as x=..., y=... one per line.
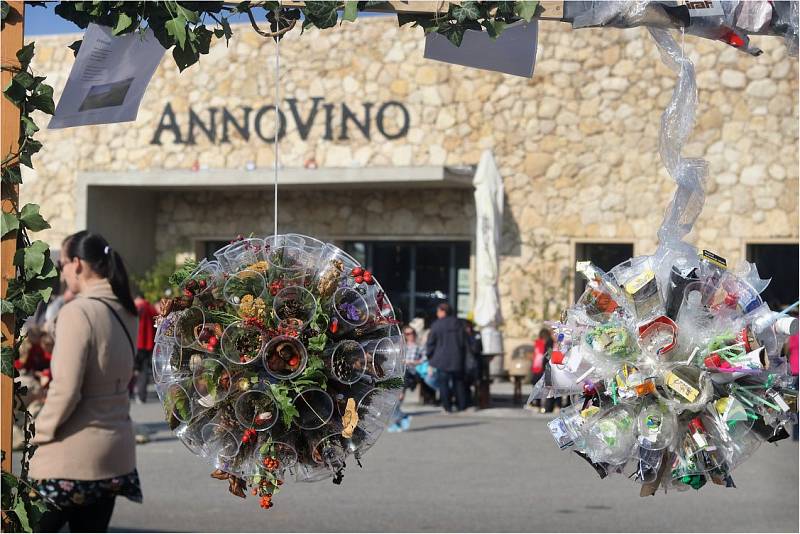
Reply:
x=277, y=117
x=683, y=42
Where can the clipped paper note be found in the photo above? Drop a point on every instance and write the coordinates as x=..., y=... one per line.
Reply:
x=109, y=77
x=514, y=52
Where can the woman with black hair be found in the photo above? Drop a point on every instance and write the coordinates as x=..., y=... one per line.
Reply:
x=86, y=453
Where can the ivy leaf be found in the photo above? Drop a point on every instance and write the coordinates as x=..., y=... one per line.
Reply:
x=187, y=14
x=203, y=39
x=9, y=223
x=12, y=175
x=466, y=11
x=29, y=216
x=350, y=11
x=5, y=9
x=26, y=303
x=15, y=92
x=25, y=55
x=6, y=307
x=184, y=58
x=321, y=14
x=28, y=125
x=38, y=508
x=75, y=46
x=24, y=79
x=526, y=9
x=176, y=28
x=49, y=270
x=7, y=355
x=31, y=258
x=32, y=146
x=22, y=515
x=42, y=287
x=494, y=28
x=454, y=33
x=224, y=31
x=124, y=22
x=505, y=10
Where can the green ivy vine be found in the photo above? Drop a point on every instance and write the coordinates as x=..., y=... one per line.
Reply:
x=35, y=278
x=188, y=28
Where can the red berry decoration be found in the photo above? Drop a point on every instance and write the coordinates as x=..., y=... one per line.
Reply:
x=357, y=271
x=359, y=279
x=203, y=284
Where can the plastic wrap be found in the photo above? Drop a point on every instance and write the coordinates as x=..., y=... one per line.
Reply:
x=728, y=21
x=673, y=359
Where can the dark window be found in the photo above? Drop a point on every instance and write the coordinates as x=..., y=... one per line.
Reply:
x=417, y=276
x=780, y=263
x=604, y=255
x=210, y=247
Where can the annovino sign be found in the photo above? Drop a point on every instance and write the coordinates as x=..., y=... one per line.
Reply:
x=218, y=125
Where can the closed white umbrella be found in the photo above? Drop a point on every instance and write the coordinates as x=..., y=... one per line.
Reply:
x=489, y=219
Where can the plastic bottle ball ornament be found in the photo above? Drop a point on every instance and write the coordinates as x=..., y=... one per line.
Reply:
x=242, y=361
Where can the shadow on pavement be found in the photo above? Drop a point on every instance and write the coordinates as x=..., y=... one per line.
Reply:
x=440, y=427
x=129, y=529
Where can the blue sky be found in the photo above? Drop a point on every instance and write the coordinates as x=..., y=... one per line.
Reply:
x=44, y=21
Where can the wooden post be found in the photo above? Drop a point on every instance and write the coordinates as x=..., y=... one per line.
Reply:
x=12, y=40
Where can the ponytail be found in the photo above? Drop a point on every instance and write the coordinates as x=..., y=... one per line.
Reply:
x=105, y=261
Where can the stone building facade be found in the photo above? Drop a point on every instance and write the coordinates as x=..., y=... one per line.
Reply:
x=576, y=145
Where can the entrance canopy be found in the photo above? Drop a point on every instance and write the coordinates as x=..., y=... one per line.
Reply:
x=123, y=205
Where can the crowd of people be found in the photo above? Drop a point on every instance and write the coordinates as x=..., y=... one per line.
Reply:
x=441, y=360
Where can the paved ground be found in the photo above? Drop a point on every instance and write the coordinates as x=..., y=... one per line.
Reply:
x=496, y=470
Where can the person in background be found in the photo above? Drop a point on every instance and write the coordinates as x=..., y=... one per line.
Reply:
x=144, y=345
x=86, y=453
x=55, y=305
x=794, y=353
x=413, y=356
x=33, y=365
x=471, y=363
x=427, y=393
x=542, y=347
x=446, y=350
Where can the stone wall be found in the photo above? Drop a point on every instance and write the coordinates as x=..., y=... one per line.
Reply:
x=577, y=145
x=412, y=214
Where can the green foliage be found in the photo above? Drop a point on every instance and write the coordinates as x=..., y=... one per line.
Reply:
x=392, y=383
x=156, y=280
x=288, y=411
x=177, y=278
x=490, y=16
x=312, y=376
x=189, y=28
x=35, y=274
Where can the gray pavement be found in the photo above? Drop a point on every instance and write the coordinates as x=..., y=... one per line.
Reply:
x=496, y=470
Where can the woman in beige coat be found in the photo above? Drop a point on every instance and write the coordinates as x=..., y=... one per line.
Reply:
x=86, y=454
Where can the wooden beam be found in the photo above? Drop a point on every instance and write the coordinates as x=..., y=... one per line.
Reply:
x=551, y=9
x=12, y=40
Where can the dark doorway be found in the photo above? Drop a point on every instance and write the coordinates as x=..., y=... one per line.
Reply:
x=418, y=275
x=780, y=263
x=604, y=255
